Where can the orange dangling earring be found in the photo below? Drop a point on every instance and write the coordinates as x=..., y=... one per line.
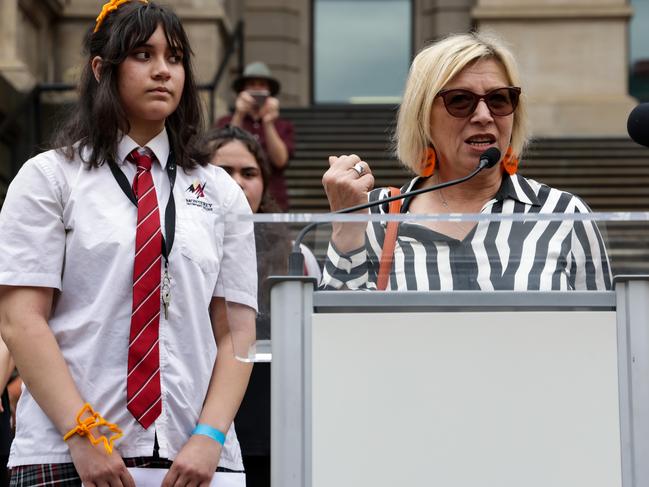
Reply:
x=510, y=162
x=428, y=166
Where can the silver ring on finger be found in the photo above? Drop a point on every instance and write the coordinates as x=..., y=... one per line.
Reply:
x=359, y=168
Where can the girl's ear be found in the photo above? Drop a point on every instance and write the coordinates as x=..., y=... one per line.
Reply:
x=96, y=67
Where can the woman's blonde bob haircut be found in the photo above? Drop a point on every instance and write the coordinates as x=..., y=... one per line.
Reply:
x=430, y=72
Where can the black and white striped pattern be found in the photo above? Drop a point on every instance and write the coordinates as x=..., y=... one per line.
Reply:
x=495, y=255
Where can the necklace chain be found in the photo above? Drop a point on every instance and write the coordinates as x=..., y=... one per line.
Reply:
x=441, y=196
x=463, y=226
x=441, y=193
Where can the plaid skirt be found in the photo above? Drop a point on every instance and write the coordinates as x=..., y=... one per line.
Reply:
x=65, y=475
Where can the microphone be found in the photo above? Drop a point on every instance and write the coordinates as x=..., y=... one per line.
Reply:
x=638, y=124
x=488, y=158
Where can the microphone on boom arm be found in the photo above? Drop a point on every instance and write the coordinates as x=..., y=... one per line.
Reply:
x=488, y=159
x=637, y=124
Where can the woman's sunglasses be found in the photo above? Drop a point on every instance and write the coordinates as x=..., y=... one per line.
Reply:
x=462, y=103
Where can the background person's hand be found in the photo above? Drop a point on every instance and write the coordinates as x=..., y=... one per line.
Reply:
x=96, y=467
x=195, y=464
x=14, y=389
x=344, y=188
x=269, y=112
x=245, y=104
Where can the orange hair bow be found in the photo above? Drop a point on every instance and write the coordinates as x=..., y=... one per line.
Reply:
x=108, y=8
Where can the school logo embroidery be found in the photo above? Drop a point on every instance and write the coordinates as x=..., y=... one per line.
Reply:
x=197, y=188
x=197, y=191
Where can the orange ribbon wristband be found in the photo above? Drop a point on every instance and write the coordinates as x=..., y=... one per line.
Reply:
x=84, y=428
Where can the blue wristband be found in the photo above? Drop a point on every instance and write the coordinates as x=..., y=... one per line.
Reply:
x=207, y=430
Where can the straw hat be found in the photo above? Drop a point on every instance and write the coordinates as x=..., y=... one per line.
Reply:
x=256, y=70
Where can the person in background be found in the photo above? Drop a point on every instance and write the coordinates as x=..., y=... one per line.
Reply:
x=241, y=156
x=462, y=97
x=121, y=286
x=6, y=433
x=256, y=110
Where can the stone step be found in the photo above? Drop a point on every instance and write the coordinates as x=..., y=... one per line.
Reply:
x=382, y=139
x=619, y=167
x=639, y=187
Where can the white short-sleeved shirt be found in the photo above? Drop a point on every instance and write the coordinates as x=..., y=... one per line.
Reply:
x=70, y=227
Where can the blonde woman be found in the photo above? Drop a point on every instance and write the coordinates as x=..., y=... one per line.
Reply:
x=462, y=97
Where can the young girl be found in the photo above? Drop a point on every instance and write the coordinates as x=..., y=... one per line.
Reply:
x=242, y=157
x=120, y=280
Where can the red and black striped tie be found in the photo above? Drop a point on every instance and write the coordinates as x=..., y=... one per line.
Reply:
x=143, y=380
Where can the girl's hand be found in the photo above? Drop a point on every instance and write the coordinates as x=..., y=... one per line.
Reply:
x=345, y=188
x=195, y=464
x=96, y=467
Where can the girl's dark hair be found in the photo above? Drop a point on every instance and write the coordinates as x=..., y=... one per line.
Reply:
x=272, y=239
x=98, y=118
x=217, y=138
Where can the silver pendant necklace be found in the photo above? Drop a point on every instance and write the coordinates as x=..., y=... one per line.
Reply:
x=464, y=226
x=441, y=193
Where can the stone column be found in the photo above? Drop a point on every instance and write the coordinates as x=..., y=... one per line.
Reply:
x=573, y=58
x=278, y=32
x=25, y=40
x=436, y=18
x=11, y=67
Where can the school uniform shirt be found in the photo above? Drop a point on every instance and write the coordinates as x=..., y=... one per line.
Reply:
x=70, y=227
x=495, y=255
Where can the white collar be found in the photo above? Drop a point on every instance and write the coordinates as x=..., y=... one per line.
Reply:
x=159, y=145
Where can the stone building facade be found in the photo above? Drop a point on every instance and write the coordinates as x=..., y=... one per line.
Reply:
x=573, y=54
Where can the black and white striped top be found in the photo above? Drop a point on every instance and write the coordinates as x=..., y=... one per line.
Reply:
x=495, y=255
